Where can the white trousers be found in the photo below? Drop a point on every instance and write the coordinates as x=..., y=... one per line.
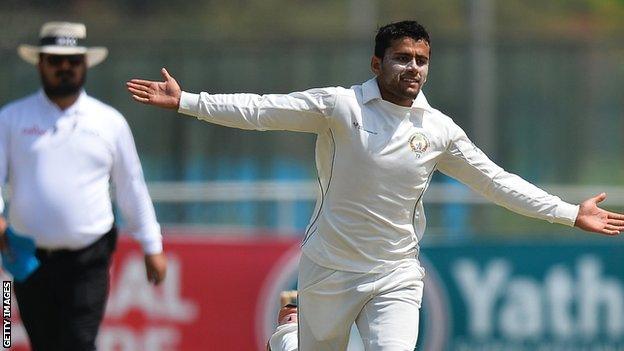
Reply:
x=384, y=306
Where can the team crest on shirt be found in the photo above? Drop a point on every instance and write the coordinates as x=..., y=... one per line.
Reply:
x=419, y=143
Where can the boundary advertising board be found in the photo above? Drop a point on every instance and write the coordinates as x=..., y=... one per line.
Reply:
x=221, y=293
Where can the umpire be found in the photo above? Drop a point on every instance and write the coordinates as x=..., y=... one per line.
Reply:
x=59, y=150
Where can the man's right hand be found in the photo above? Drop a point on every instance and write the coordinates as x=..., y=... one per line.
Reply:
x=162, y=94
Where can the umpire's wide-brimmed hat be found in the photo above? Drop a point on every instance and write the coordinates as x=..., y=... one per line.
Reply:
x=62, y=38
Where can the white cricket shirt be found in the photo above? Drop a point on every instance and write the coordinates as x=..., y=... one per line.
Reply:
x=375, y=160
x=59, y=164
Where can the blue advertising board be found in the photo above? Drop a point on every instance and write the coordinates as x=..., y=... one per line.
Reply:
x=566, y=296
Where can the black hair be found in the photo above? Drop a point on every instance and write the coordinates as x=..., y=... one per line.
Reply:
x=397, y=30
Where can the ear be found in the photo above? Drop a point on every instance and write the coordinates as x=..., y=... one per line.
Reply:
x=376, y=65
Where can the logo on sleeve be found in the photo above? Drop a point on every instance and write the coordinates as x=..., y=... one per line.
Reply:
x=419, y=143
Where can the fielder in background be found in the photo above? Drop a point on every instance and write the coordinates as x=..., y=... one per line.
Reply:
x=59, y=149
x=377, y=147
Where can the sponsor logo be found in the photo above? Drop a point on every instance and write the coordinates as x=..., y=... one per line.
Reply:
x=91, y=132
x=34, y=130
x=565, y=309
x=66, y=41
x=358, y=126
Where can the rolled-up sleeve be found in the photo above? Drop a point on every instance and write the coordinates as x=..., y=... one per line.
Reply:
x=131, y=193
x=465, y=162
x=305, y=111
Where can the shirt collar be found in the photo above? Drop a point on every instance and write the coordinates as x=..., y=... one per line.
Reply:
x=370, y=91
x=77, y=106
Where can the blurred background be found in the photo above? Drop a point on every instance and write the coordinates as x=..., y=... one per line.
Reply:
x=536, y=84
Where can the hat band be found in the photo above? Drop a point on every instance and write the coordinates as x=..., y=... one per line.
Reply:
x=61, y=41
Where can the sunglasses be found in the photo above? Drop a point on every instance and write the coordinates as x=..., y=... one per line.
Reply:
x=57, y=60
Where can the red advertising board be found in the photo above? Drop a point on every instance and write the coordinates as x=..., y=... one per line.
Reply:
x=221, y=293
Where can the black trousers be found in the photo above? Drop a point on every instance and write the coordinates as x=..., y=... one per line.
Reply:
x=62, y=302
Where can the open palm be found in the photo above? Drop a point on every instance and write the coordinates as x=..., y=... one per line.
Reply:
x=162, y=94
x=594, y=219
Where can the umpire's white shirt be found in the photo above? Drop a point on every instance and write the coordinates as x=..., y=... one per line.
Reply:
x=375, y=160
x=59, y=164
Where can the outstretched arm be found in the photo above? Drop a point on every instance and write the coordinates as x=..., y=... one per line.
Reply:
x=467, y=163
x=594, y=219
x=306, y=111
x=164, y=94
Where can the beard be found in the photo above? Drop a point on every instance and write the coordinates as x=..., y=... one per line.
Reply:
x=66, y=85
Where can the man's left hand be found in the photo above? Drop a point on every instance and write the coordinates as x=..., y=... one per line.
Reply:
x=156, y=268
x=594, y=219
